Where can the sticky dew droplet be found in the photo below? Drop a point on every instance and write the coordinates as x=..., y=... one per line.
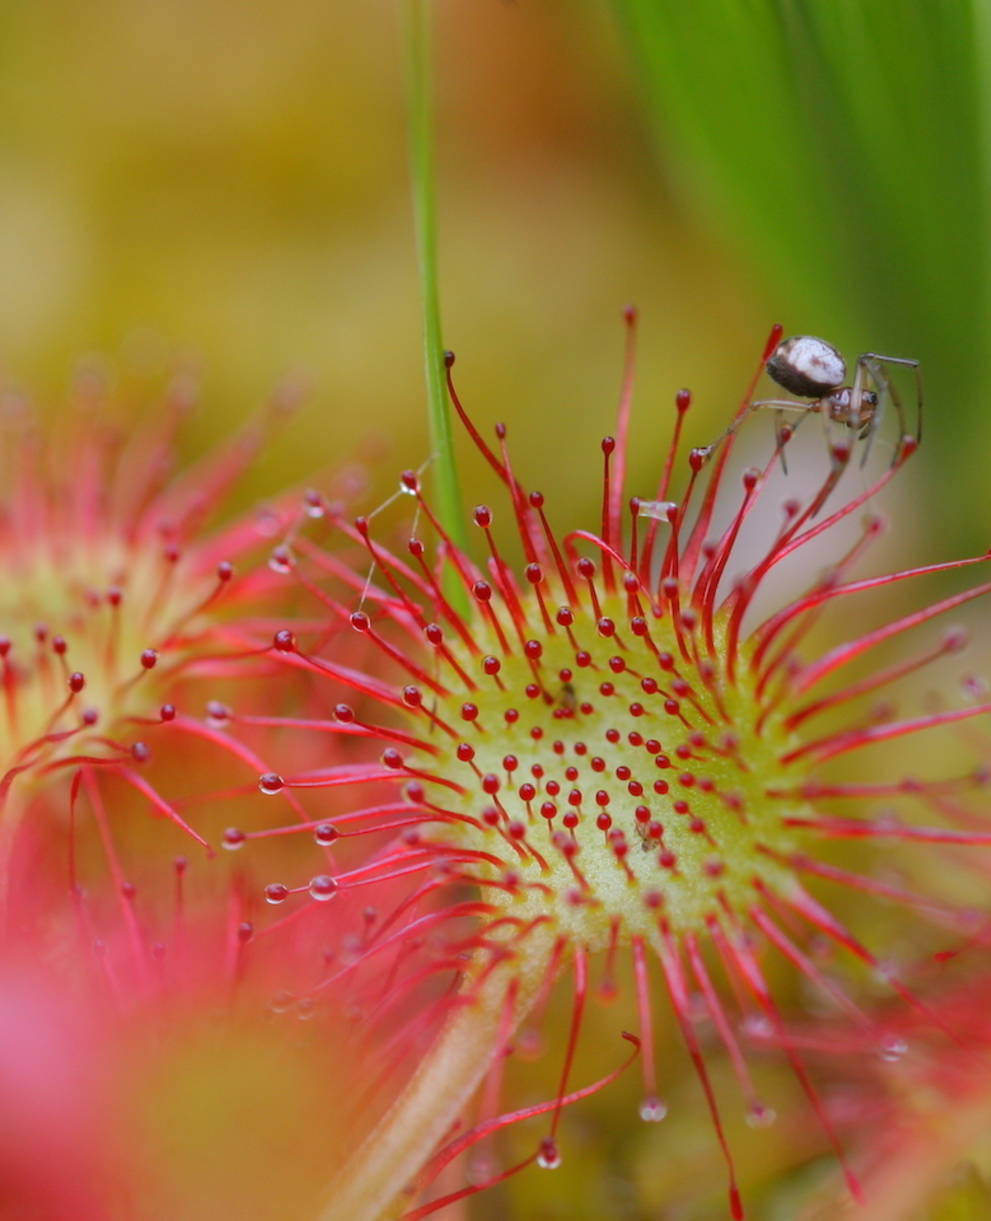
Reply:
x=892, y=1049
x=233, y=838
x=760, y=1116
x=322, y=887
x=653, y=1110
x=313, y=504
x=481, y=1169
x=549, y=1158
x=658, y=510
x=282, y=1002
x=281, y=560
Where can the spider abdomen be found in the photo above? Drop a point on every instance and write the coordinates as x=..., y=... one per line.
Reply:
x=807, y=366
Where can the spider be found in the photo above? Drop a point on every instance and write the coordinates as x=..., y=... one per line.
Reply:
x=813, y=369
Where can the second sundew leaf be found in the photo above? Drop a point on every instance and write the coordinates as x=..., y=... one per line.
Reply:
x=842, y=145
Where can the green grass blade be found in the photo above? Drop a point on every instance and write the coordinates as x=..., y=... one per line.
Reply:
x=449, y=504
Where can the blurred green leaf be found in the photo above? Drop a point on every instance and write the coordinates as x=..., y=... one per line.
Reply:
x=419, y=15
x=843, y=145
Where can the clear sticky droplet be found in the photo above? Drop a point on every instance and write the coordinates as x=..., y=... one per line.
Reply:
x=322, y=887
x=282, y=560
x=754, y=1026
x=760, y=1116
x=887, y=972
x=313, y=504
x=268, y=523
x=282, y=1002
x=549, y=1158
x=218, y=715
x=481, y=1169
x=892, y=1049
x=653, y=1110
x=656, y=509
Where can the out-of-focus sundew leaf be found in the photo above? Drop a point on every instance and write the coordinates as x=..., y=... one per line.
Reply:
x=843, y=145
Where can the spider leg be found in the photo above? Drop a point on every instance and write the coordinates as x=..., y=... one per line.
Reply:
x=874, y=361
x=855, y=422
x=781, y=405
x=828, y=434
x=784, y=432
x=782, y=435
x=869, y=372
x=784, y=405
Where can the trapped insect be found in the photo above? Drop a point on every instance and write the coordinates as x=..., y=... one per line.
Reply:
x=814, y=369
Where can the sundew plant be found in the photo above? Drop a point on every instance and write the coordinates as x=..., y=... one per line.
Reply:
x=574, y=828
x=608, y=756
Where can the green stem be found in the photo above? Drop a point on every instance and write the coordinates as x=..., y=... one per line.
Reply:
x=449, y=500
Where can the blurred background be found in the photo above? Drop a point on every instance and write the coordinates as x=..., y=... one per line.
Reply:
x=226, y=186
